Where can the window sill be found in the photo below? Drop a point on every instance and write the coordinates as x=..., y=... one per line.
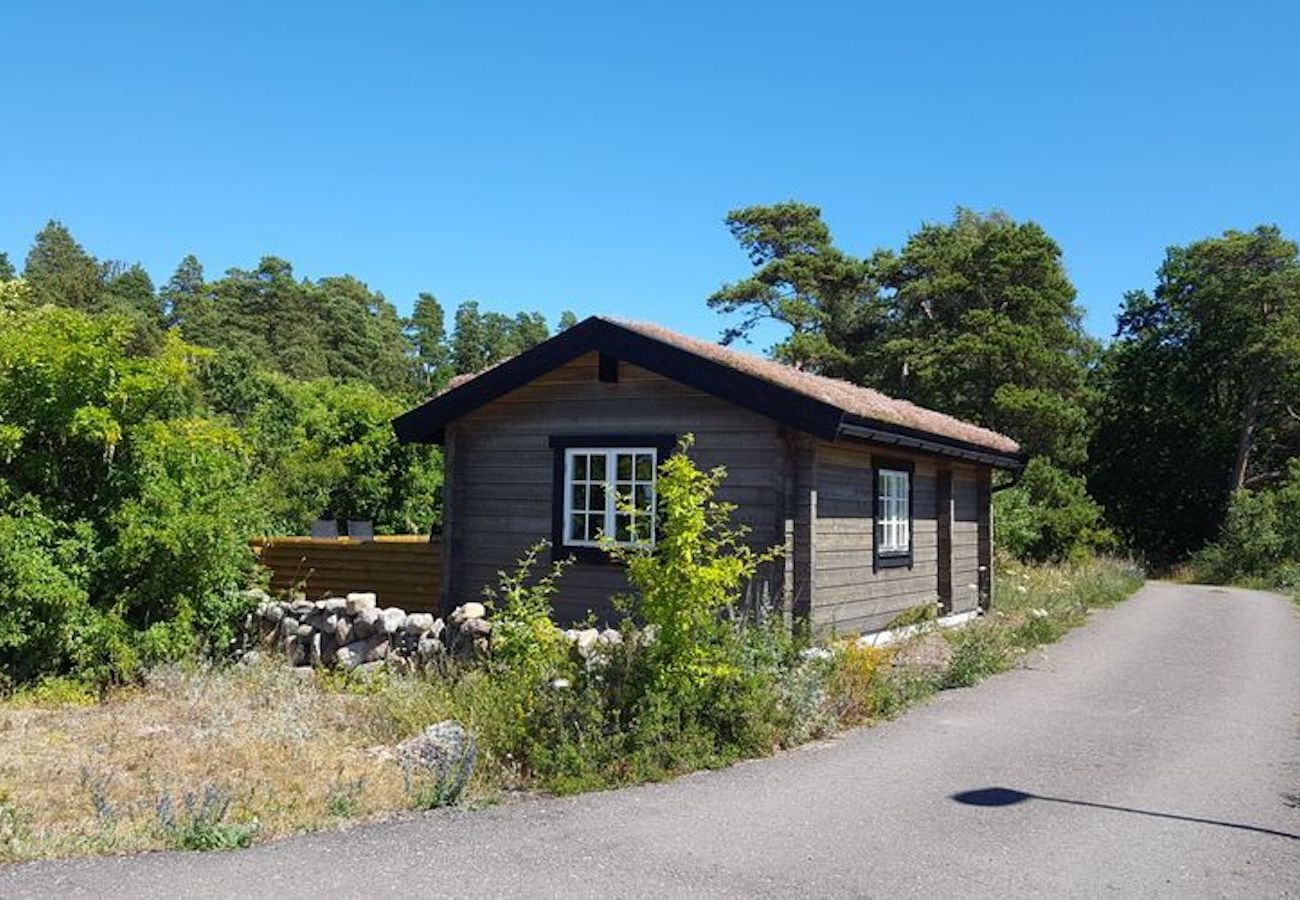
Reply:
x=590, y=555
x=894, y=561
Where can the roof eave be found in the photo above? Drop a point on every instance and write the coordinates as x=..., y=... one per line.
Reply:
x=856, y=428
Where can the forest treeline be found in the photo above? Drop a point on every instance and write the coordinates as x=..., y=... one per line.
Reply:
x=1177, y=439
x=146, y=432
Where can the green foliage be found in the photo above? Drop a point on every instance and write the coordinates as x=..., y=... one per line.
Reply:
x=344, y=800
x=327, y=449
x=1260, y=538
x=696, y=569
x=826, y=297
x=485, y=339
x=15, y=829
x=1198, y=391
x=975, y=317
x=45, y=568
x=1048, y=516
x=524, y=638
x=59, y=270
x=199, y=822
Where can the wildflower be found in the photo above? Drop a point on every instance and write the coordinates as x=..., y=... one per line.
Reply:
x=560, y=684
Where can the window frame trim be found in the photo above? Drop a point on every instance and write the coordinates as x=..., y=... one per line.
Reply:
x=892, y=559
x=664, y=446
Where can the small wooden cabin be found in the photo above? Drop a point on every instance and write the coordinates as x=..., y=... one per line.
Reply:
x=880, y=505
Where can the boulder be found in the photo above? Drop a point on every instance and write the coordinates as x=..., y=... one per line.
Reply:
x=366, y=623
x=430, y=647
x=305, y=630
x=295, y=651
x=392, y=620
x=343, y=630
x=475, y=628
x=610, y=637
x=585, y=641
x=288, y=626
x=335, y=604
x=274, y=612
x=466, y=612
x=366, y=650
x=317, y=657
x=301, y=609
x=439, y=761
x=359, y=602
x=418, y=623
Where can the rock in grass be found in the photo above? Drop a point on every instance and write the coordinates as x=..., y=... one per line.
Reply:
x=359, y=601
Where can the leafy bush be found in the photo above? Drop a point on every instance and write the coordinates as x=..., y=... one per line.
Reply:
x=1049, y=517
x=1260, y=538
x=697, y=568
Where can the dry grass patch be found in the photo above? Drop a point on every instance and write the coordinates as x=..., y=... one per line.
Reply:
x=269, y=751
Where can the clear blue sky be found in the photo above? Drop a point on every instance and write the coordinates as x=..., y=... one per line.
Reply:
x=553, y=155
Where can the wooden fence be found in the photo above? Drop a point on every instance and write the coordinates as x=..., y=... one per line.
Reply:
x=402, y=570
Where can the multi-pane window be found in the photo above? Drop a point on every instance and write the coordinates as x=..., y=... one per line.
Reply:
x=893, y=528
x=609, y=496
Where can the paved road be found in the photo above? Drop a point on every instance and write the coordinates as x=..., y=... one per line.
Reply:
x=1154, y=752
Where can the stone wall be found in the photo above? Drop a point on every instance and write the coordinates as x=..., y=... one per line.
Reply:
x=352, y=631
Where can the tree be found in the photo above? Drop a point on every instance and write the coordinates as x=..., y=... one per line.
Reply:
x=7, y=272
x=984, y=326
x=567, y=320
x=801, y=280
x=129, y=290
x=188, y=303
x=59, y=271
x=1199, y=389
x=485, y=339
x=427, y=331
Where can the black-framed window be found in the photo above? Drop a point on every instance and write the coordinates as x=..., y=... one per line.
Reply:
x=893, y=541
x=603, y=492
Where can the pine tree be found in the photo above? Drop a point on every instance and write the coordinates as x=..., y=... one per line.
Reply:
x=60, y=272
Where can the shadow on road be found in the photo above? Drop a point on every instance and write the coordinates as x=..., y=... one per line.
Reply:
x=1001, y=796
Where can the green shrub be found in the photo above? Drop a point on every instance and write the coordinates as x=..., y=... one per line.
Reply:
x=1260, y=537
x=978, y=652
x=1049, y=516
x=199, y=821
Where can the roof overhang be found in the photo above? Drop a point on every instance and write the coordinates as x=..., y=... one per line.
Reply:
x=427, y=423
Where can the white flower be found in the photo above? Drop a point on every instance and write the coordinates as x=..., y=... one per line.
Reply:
x=820, y=653
x=560, y=684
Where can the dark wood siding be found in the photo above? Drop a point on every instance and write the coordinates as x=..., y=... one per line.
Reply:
x=500, y=495
x=965, y=540
x=849, y=596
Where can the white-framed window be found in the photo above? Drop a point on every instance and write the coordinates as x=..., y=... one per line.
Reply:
x=609, y=496
x=894, y=527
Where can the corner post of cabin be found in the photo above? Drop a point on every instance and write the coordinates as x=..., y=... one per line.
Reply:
x=984, y=536
x=450, y=540
x=800, y=529
x=944, y=516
